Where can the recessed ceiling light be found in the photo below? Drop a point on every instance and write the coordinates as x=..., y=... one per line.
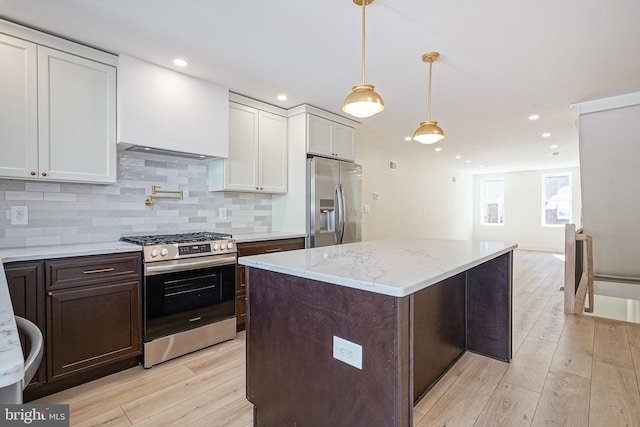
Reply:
x=458, y=157
x=546, y=135
x=282, y=97
x=467, y=161
x=180, y=62
x=437, y=149
x=534, y=117
x=407, y=138
x=553, y=146
x=147, y=148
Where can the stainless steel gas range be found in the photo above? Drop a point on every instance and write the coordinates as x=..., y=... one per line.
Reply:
x=188, y=292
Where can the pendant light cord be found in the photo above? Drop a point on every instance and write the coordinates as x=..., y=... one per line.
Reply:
x=364, y=2
x=429, y=94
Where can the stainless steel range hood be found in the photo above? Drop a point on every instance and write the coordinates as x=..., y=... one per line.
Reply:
x=151, y=150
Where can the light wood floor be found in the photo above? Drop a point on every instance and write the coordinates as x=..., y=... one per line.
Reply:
x=566, y=371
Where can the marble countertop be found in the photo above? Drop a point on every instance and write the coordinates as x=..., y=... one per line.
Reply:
x=271, y=235
x=395, y=267
x=11, y=358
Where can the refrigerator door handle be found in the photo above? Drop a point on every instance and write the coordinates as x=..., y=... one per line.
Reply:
x=340, y=213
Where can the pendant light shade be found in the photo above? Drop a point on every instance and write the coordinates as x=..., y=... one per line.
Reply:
x=429, y=132
x=363, y=101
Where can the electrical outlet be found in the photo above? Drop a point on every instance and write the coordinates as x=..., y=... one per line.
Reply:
x=222, y=213
x=19, y=215
x=347, y=352
x=367, y=209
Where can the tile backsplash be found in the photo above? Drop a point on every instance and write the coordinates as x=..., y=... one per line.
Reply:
x=64, y=213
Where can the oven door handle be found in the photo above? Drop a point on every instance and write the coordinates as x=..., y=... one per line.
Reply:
x=182, y=265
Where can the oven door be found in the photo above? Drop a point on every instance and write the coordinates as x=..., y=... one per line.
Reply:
x=179, y=296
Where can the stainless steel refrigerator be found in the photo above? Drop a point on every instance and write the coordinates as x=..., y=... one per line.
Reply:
x=334, y=202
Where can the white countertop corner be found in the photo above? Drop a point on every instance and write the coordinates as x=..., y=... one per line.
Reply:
x=11, y=359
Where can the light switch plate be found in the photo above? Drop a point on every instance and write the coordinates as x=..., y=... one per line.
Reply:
x=347, y=352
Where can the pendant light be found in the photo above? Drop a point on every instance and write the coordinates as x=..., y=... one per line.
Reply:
x=429, y=132
x=363, y=101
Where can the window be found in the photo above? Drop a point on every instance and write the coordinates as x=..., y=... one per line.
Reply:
x=556, y=199
x=492, y=193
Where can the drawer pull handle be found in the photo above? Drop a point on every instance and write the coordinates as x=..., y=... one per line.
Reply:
x=99, y=270
x=50, y=294
x=195, y=319
x=273, y=250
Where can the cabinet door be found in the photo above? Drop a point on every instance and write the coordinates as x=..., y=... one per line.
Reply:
x=272, y=153
x=76, y=118
x=344, y=142
x=26, y=288
x=18, y=108
x=92, y=326
x=241, y=167
x=319, y=135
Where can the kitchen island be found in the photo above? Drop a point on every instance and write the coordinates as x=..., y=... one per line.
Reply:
x=355, y=334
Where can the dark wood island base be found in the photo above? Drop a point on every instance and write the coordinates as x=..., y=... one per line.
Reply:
x=407, y=344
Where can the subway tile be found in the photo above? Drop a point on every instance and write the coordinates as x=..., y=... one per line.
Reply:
x=43, y=241
x=23, y=195
x=66, y=197
x=47, y=187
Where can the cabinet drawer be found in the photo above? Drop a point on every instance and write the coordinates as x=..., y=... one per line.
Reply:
x=269, y=246
x=90, y=270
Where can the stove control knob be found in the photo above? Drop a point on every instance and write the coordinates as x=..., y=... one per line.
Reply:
x=229, y=245
x=164, y=251
x=154, y=253
x=216, y=247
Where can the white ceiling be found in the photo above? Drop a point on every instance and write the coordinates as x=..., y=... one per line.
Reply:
x=501, y=60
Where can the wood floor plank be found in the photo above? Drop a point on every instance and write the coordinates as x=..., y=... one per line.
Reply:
x=448, y=379
x=574, y=353
x=145, y=406
x=611, y=343
x=236, y=414
x=509, y=406
x=197, y=406
x=615, y=400
x=112, y=418
x=633, y=332
x=564, y=401
x=128, y=392
x=530, y=365
x=463, y=402
x=417, y=417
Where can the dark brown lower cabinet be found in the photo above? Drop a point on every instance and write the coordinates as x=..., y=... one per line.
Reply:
x=91, y=326
x=26, y=288
x=257, y=248
x=89, y=311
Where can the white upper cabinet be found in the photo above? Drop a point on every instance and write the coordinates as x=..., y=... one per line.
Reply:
x=163, y=109
x=18, y=107
x=257, y=152
x=76, y=118
x=57, y=109
x=330, y=139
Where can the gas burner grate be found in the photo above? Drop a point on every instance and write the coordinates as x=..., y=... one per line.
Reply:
x=165, y=239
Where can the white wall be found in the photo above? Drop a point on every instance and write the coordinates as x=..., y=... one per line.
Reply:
x=609, y=153
x=419, y=199
x=523, y=211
